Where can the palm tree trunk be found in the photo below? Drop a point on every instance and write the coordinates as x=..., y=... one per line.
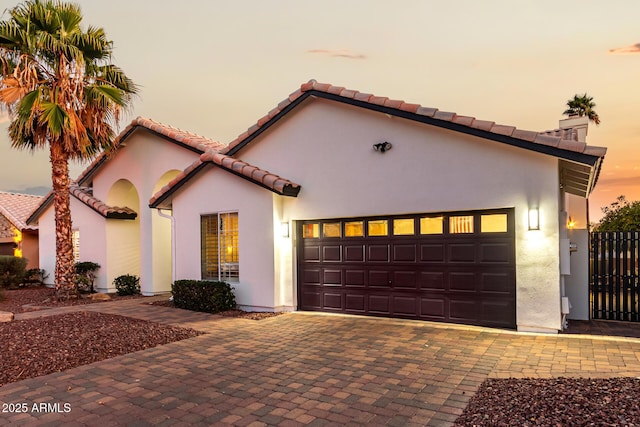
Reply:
x=65, y=270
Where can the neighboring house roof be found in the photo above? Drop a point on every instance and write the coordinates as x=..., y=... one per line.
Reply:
x=17, y=208
x=85, y=195
x=254, y=174
x=191, y=141
x=561, y=143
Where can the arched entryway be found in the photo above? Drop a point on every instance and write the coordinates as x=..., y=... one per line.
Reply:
x=123, y=236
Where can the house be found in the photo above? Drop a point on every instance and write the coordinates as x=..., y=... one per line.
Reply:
x=345, y=202
x=17, y=238
x=112, y=223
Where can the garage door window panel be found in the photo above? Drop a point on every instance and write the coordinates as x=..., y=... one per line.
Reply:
x=431, y=225
x=354, y=229
x=378, y=227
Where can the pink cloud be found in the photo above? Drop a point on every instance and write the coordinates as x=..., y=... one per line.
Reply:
x=338, y=53
x=634, y=48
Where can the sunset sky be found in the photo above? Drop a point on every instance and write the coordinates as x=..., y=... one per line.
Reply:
x=214, y=67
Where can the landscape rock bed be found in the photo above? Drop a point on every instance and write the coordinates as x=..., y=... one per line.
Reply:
x=41, y=346
x=554, y=402
x=30, y=299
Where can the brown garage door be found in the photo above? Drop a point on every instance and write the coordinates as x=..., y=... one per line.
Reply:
x=450, y=267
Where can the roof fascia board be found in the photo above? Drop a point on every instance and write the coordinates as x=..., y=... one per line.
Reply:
x=286, y=191
x=540, y=148
x=111, y=215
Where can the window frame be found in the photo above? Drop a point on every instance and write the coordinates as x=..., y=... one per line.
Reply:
x=225, y=270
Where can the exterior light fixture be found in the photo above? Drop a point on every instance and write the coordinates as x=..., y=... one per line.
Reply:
x=382, y=146
x=571, y=224
x=534, y=219
x=284, y=229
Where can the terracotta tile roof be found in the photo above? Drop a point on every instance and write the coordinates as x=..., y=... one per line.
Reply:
x=18, y=207
x=197, y=143
x=85, y=195
x=262, y=177
x=556, y=139
x=254, y=174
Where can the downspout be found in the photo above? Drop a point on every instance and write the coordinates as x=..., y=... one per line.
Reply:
x=173, y=243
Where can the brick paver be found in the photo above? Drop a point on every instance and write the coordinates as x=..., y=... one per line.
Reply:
x=303, y=369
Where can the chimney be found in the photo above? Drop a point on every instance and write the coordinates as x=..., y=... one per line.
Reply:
x=577, y=125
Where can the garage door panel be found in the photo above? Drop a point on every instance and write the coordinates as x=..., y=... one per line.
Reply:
x=378, y=253
x=462, y=282
x=499, y=313
x=498, y=282
x=312, y=253
x=354, y=278
x=432, y=253
x=404, y=253
x=444, y=274
x=332, y=253
x=405, y=306
x=355, y=302
x=432, y=280
x=354, y=253
x=311, y=276
x=464, y=310
x=404, y=280
x=378, y=278
x=433, y=308
x=332, y=277
x=332, y=301
x=311, y=300
x=462, y=252
x=495, y=253
x=379, y=304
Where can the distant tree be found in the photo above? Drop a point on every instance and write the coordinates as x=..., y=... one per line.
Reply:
x=63, y=93
x=582, y=105
x=620, y=215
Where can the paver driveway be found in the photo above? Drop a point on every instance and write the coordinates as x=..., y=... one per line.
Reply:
x=305, y=369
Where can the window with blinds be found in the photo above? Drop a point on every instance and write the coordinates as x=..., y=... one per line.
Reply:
x=75, y=241
x=219, y=246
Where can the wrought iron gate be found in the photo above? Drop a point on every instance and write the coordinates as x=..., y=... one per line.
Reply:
x=615, y=287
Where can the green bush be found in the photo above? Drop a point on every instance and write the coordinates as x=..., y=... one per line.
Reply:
x=34, y=276
x=85, y=275
x=201, y=295
x=127, y=284
x=12, y=270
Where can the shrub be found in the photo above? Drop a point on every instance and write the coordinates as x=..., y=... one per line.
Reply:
x=35, y=276
x=201, y=295
x=12, y=270
x=127, y=284
x=85, y=275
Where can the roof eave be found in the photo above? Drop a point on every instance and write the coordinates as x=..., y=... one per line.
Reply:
x=509, y=140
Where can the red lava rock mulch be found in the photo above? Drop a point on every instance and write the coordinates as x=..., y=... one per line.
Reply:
x=554, y=402
x=41, y=346
x=41, y=296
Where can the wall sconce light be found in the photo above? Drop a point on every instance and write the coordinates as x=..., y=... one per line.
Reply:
x=382, y=146
x=284, y=229
x=571, y=224
x=534, y=219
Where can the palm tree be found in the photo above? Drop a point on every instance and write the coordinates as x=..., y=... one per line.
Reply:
x=582, y=105
x=62, y=92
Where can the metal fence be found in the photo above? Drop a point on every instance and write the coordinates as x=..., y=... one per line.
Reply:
x=614, y=275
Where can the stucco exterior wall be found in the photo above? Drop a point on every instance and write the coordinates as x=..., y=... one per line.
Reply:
x=92, y=239
x=216, y=191
x=326, y=147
